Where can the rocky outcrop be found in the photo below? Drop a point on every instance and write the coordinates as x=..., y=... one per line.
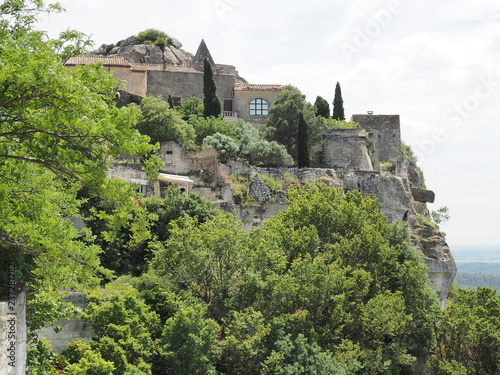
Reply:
x=400, y=201
x=423, y=195
x=134, y=53
x=437, y=255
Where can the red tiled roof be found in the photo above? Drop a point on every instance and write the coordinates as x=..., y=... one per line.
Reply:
x=93, y=59
x=257, y=87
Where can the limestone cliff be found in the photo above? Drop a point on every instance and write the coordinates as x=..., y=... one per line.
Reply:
x=402, y=196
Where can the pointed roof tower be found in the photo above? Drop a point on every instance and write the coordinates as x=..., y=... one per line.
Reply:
x=202, y=53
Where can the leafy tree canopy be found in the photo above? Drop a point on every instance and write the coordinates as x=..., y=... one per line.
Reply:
x=162, y=123
x=284, y=118
x=322, y=107
x=59, y=130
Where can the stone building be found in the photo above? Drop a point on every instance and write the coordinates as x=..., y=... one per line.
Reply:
x=387, y=133
x=145, y=69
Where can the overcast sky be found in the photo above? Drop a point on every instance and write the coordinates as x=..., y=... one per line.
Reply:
x=433, y=62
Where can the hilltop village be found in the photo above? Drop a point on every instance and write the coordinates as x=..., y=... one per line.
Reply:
x=368, y=158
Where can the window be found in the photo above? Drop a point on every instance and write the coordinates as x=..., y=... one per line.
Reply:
x=259, y=107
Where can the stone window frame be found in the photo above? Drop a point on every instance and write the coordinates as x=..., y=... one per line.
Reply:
x=258, y=107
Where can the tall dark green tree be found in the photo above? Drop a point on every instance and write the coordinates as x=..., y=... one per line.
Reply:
x=338, y=104
x=302, y=140
x=211, y=102
x=322, y=107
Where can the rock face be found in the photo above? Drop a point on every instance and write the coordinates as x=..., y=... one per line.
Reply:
x=149, y=54
x=402, y=196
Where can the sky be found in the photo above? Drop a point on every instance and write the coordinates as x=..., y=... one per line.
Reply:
x=433, y=62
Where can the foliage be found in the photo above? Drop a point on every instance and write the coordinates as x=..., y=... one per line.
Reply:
x=259, y=151
x=267, y=154
x=322, y=107
x=225, y=145
x=189, y=342
x=468, y=336
x=190, y=107
x=302, y=140
x=441, y=215
x=270, y=182
x=59, y=130
x=408, y=154
x=211, y=103
x=42, y=360
x=161, y=123
x=83, y=360
x=284, y=116
x=125, y=327
x=207, y=259
x=154, y=37
x=205, y=127
x=338, y=104
x=128, y=254
x=340, y=124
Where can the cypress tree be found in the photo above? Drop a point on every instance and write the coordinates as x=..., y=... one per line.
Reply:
x=302, y=141
x=322, y=107
x=170, y=101
x=338, y=104
x=211, y=102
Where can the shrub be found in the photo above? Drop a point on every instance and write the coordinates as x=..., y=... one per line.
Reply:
x=225, y=145
x=154, y=37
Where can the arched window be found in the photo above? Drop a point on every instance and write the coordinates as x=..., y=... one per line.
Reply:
x=259, y=107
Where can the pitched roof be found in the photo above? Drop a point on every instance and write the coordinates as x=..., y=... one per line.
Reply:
x=94, y=59
x=203, y=53
x=257, y=87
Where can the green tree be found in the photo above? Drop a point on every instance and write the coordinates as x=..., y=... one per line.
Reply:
x=190, y=107
x=284, y=118
x=162, y=123
x=468, y=336
x=205, y=127
x=322, y=107
x=211, y=103
x=129, y=254
x=59, y=130
x=170, y=101
x=208, y=259
x=302, y=141
x=338, y=104
x=225, y=145
x=125, y=328
x=258, y=151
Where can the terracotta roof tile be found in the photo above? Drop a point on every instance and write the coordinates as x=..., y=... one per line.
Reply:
x=93, y=59
x=257, y=87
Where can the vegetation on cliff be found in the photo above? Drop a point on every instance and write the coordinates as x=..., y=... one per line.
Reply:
x=328, y=286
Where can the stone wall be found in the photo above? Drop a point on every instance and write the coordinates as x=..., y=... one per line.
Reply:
x=387, y=133
x=187, y=84
x=346, y=149
x=135, y=80
x=72, y=330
